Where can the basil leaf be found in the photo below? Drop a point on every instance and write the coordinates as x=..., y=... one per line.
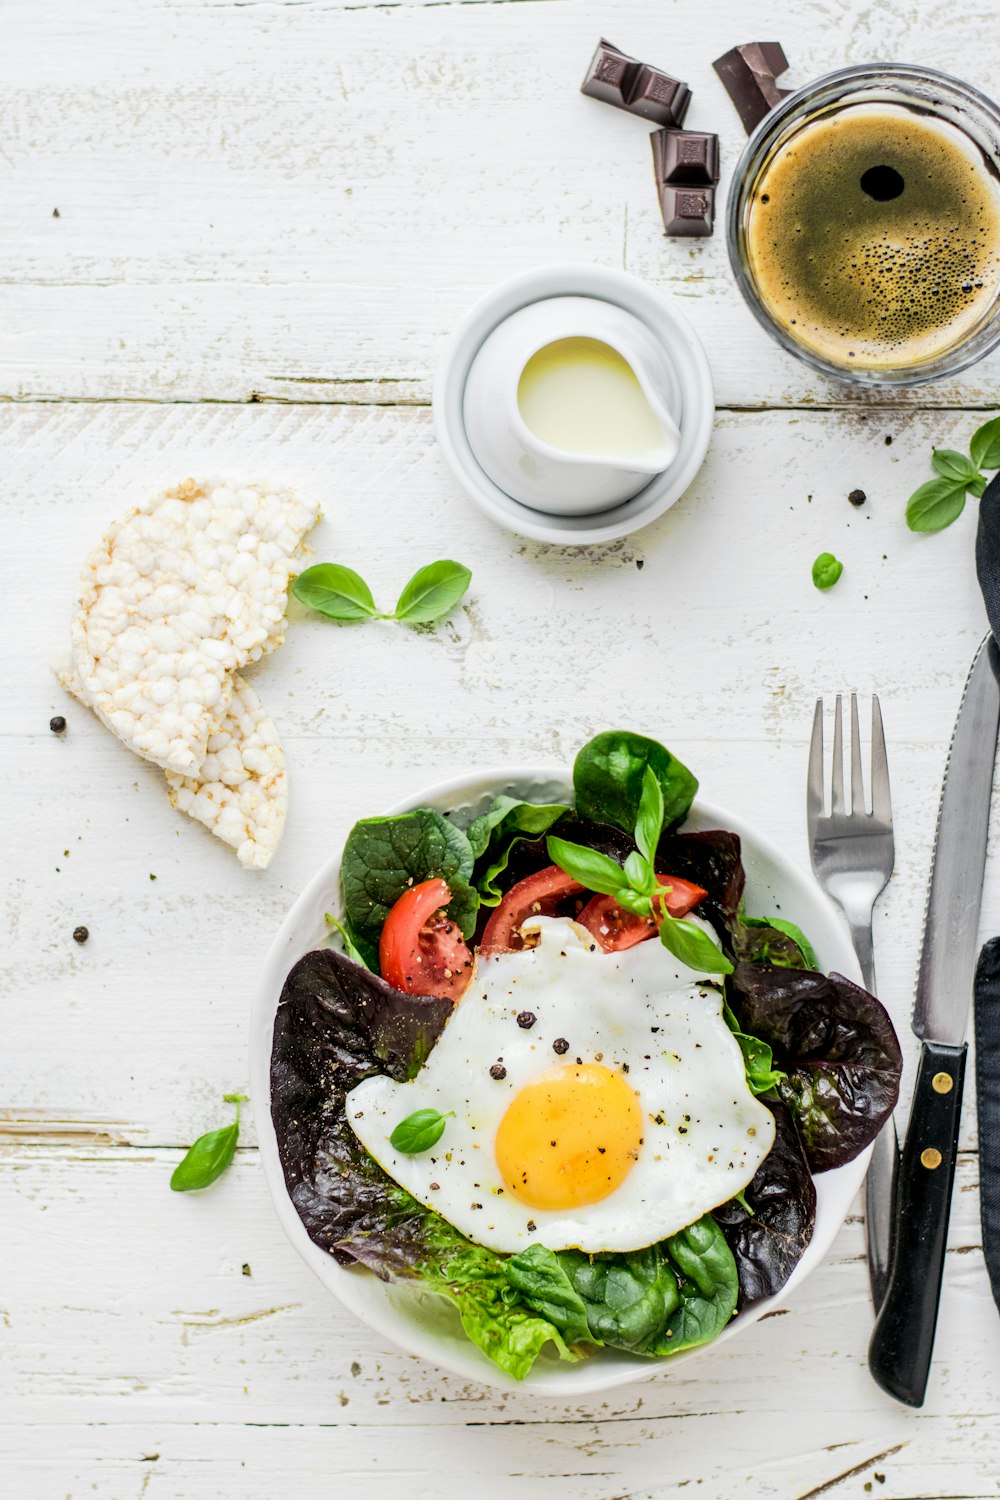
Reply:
x=649, y=819
x=418, y=1132
x=543, y=1281
x=592, y=869
x=350, y=947
x=985, y=445
x=639, y=874
x=826, y=570
x=935, y=505
x=609, y=774
x=976, y=487
x=639, y=904
x=692, y=946
x=335, y=591
x=210, y=1155
x=383, y=857
x=432, y=592
x=951, y=464
x=496, y=832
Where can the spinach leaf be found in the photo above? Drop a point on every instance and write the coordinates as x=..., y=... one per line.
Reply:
x=768, y=1237
x=608, y=778
x=210, y=1155
x=493, y=835
x=772, y=940
x=837, y=1047
x=543, y=1281
x=337, y=1023
x=628, y=1298
x=432, y=592
x=383, y=857
x=708, y=1287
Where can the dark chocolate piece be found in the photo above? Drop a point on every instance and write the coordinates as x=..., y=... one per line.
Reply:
x=636, y=87
x=688, y=212
x=685, y=156
x=748, y=75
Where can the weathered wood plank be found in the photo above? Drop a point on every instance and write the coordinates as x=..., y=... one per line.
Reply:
x=129, y=1329
x=311, y=219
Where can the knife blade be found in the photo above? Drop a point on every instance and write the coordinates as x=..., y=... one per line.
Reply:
x=902, y=1342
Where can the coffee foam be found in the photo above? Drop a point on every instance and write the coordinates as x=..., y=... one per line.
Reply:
x=869, y=282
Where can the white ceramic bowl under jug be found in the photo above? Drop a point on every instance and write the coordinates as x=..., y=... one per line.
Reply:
x=588, y=467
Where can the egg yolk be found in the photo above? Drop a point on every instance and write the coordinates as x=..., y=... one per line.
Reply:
x=570, y=1137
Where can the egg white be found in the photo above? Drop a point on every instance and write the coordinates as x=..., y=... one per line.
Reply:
x=640, y=1011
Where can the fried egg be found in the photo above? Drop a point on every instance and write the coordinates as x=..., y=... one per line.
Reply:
x=592, y=1100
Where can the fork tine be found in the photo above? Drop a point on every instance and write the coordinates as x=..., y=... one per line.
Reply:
x=814, y=781
x=881, y=800
x=857, y=780
x=837, y=803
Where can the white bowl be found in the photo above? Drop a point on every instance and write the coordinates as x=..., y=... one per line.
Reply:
x=682, y=349
x=426, y=1325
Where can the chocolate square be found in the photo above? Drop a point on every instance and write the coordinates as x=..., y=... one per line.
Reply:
x=688, y=212
x=748, y=75
x=609, y=75
x=658, y=97
x=685, y=156
x=622, y=81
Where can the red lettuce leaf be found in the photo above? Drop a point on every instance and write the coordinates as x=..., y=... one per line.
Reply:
x=837, y=1046
x=768, y=1243
x=337, y=1023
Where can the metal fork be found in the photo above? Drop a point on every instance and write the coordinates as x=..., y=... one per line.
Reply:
x=852, y=856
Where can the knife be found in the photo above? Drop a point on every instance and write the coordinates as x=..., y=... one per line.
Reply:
x=899, y=1354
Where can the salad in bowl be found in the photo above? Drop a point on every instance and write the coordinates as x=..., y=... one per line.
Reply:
x=550, y=1087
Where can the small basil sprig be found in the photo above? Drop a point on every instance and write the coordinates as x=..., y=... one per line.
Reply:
x=826, y=570
x=941, y=501
x=419, y=1131
x=341, y=594
x=210, y=1155
x=634, y=885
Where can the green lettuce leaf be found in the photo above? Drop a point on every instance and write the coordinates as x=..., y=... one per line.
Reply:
x=494, y=834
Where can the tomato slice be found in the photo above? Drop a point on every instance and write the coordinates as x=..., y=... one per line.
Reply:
x=421, y=949
x=614, y=928
x=540, y=894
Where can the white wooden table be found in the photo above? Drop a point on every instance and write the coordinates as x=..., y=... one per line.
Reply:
x=232, y=238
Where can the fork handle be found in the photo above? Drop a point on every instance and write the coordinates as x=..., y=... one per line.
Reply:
x=861, y=937
x=899, y=1355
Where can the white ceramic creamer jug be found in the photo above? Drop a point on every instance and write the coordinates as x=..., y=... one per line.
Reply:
x=571, y=405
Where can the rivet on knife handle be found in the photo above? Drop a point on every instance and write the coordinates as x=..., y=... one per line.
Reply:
x=899, y=1354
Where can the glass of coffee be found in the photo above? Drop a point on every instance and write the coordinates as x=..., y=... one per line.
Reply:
x=864, y=224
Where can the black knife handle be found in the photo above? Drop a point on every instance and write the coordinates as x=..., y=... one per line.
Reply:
x=899, y=1355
